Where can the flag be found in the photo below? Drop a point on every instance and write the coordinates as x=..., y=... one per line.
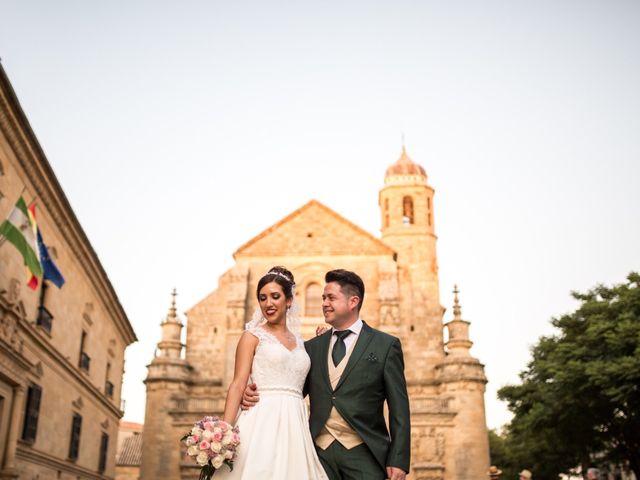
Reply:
x=18, y=230
x=50, y=269
x=34, y=280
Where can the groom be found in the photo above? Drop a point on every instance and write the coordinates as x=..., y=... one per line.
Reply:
x=354, y=369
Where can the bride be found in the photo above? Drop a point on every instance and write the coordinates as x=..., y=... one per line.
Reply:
x=275, y=438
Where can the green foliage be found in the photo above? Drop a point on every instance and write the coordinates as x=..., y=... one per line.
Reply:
x=502, y=456
x=580, y=394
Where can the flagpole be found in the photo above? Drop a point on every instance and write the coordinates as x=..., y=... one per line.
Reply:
x=4, y=239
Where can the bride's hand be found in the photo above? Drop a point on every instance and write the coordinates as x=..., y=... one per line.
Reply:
x=320, y=329
x=250, y=397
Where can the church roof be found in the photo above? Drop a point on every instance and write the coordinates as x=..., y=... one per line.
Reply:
x=313, y=229
x=405, y=166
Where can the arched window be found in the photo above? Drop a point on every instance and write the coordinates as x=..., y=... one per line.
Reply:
x=386, y=204
x=313, y=300
x=407, y=210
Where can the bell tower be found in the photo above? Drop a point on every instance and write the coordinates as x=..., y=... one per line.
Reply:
x=166, y=380
x=408, y=226
x=406, y=201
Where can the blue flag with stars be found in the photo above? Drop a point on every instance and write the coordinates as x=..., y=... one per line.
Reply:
x=50, y=269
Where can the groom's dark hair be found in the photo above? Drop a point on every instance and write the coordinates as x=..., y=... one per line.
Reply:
x=350, y=283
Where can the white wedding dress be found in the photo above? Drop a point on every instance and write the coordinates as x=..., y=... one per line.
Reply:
x=275, y=442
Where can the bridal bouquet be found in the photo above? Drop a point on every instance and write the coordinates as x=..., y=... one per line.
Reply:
x=211, y=443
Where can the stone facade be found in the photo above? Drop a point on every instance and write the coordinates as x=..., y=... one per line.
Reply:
x=400, y=271
x=61, y=350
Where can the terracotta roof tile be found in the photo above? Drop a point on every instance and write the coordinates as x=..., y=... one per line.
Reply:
x=130, y=453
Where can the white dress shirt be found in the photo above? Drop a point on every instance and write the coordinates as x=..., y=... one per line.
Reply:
x=350, y=339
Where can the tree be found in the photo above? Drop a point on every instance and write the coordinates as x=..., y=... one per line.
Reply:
x=579, y=399
x=502, y=456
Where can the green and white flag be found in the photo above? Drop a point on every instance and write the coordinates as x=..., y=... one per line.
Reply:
x=19, y=230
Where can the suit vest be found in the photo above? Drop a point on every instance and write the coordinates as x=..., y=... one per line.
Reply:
x=337, y=427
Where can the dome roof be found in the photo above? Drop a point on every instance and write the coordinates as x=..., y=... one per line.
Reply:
x=405, y=166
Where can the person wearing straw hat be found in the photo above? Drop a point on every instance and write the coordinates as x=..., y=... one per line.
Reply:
x=494, y=472
x=525, y=475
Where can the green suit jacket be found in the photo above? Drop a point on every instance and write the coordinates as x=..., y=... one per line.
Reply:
x=374, y=373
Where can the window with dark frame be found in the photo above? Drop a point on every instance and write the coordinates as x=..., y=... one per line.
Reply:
x=108, y=386
x=32, y=411
x=104, y=447
x=74, y=444
x=44, y=319
x=85, y=360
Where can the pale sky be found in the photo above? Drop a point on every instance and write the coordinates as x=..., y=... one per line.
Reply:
x=179, y=130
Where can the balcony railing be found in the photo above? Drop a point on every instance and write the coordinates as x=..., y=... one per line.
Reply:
x=45, y=319
x=85, y=361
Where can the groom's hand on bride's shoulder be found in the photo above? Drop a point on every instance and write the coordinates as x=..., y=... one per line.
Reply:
x=395, y=473
x=320, y=329
x=250, y=396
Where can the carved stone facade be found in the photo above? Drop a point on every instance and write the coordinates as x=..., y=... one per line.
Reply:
x=400, y=271
x=41, y=331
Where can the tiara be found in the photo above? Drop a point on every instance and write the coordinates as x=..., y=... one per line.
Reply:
x=280, y=274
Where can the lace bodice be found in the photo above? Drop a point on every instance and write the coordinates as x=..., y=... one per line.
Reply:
x=275, y=368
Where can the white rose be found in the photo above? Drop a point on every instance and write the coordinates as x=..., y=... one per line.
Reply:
x=206, y=435
x=217, y=461
x=228, y=454
x=216, y=446
x=202, y=458
x=193, y=450
x=196, y=431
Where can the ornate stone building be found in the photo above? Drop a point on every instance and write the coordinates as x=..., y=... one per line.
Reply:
x=61, y=350
x=400, y=271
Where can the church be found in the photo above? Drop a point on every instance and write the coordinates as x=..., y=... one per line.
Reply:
x=400, y=270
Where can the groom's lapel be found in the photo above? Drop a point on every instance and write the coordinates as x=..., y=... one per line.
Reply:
x=366, y=334
x=325, y=340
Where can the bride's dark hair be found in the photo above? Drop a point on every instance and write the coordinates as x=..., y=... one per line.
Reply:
x=282, y=277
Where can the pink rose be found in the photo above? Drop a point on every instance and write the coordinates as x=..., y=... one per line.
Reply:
x=235, y=439
x=217, y=436
x=204, y=445
x=208, y=426
x=195, y=438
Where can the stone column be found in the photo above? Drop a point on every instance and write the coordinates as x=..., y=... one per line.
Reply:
x=9, y=467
